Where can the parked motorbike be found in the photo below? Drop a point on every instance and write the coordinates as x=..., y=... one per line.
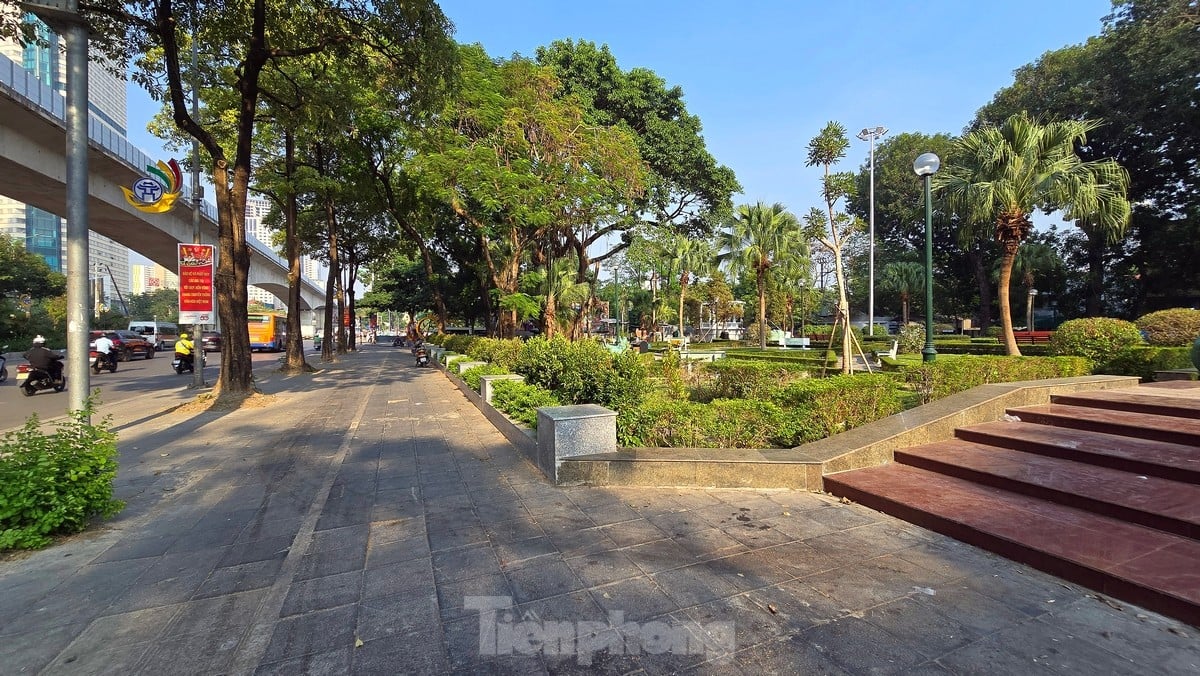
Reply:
x=422, y=356
x=33, y=380
x=398, y=341
x=3, y=362
x=101, y=361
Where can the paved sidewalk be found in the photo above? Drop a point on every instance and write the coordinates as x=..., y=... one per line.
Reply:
x=371, y=521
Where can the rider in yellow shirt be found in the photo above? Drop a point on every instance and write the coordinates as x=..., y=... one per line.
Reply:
x=184, y=349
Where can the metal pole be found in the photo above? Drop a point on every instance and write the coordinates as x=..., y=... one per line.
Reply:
x=929, y=353
x=197, y=198
x=76, y=36
x=871, y=250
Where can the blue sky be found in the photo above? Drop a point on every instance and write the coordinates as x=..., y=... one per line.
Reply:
x=764, y=77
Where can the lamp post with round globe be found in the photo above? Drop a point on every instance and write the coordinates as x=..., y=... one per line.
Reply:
x=925, y=166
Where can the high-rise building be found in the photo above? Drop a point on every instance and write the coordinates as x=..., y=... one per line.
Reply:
x=150, y=278
x=42, y=232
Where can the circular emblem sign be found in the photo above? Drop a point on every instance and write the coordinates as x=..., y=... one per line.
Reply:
x=148, y=190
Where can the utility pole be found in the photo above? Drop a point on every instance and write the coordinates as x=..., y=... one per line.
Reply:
x=871, y=134
x=63, y=16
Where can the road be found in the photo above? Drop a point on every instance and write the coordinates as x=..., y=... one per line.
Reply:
x=133, y=378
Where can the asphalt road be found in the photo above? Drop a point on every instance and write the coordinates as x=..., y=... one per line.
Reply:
x=133, y=378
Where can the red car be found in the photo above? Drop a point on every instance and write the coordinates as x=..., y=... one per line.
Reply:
x=126, y=343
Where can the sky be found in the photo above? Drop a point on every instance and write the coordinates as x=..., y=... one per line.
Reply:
x=765, y=76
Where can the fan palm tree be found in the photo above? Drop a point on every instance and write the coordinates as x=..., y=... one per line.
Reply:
x=905, y=279
x=759, y=237
x=997, y=176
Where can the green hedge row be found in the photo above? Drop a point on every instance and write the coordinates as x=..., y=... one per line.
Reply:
x=1143, y=362
x=749, y=379
x=937, y=379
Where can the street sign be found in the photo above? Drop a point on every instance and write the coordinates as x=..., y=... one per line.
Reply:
x=196, y=284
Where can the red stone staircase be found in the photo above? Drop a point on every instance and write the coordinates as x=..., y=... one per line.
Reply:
x=1100, y=488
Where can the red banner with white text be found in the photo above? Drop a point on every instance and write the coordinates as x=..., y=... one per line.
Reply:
x=196, y=284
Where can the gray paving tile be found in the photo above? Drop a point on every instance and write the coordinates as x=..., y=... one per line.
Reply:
x=398, y=615
x=137, y=548
x=331, y=663
x=709, y=543
x=635, y=532
x=257, y=550
x=263, y=529
x=750, y=570
x=577, y=543
x=28, y=653
x=139, y=626
x=790, y=655
x=451, y=595
x=159, y=593
x=208, y=652
x=397, y=551
x=852, y=587
x=733, y=623
x=542, y=578
x=330, y=562
x=419, y=653
x=603, y=567
x=637, y=599
x=920, y=626
x=797, y=605
x=467, y=562
x=463, y=651
x=513, y=530
x=455, y=537
x=322, y=593
x=115, y=660
x=660, y=555
x=234, y=610
x=1034, y=646
x=519, y=553
x=316, y=632
x=407, y=575
x=860, y=647
x=693, y=584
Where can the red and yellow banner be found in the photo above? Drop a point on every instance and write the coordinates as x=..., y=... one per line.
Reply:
x=196, y=284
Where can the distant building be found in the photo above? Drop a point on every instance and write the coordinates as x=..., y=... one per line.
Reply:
x=151, y=278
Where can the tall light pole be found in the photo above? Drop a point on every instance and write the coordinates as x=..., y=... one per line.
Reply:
x=871, y=134
x=926, y=165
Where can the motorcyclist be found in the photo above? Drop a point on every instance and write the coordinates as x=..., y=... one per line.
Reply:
x=41, y=358
x=184, y=350
x=104, y=346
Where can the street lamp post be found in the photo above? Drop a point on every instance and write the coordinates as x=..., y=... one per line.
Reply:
x=871, y=134
x=1029, y=309
x=925, y=166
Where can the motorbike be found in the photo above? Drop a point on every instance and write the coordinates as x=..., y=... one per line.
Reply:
x=101, y=361
x=32, y=380
x=182, y=366
x=398, y=341
x=3, y=364
x=422, y=356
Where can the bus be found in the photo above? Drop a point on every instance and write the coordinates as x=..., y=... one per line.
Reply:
x=268, y=331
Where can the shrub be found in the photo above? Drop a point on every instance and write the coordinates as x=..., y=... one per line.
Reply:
x=504, y=353
x=911, y=338
x=472, y=375
x=459, y=343
x=821, y=407
x=583, y=372
x=1178, y=327
x=1145, y=361
x=1096, y=338
x=941, y=378
x=748, y=379
x=722, y=423
x=521, y=400
x=54, y=483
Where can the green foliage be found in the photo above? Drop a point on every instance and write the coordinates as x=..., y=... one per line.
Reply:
x=911, y=338
x=472, y=375
x=1143, y=362
x=1177, y=327
x=583, y=372
x=459, y=343
x=26, y=274
x=505, y=353
x=722, y=423
x=820, y=407
x=747, y=379
x=53, y=483
x=520, y=401
x=1094, y=338
x=943, y=377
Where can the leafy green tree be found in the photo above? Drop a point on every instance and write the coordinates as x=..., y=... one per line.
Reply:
x=1138, y=76
x=830, y=227
x=163, y=304
x=757, y=238
x=997, y=176
x=690, y=258
x=26, y=274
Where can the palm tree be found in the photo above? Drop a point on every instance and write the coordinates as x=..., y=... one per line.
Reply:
x=758, y=238
x=1032, y=259
x=997, y=176
x=689, y=258
x=793, y=275
x=905, y=279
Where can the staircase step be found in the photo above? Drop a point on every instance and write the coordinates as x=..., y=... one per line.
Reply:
x=1139, y=456
x=1137, y=425
x=1140, y=565
x=1154, y=502
x=1136, y=400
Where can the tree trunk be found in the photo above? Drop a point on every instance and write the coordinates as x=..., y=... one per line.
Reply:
x=1006, y=266
x=843, y=314
x=904, y=308
x=233, y=263
x=295, y=362
x=1094, y=304
x=985, y=287
x=762, y=308
x=683, y=285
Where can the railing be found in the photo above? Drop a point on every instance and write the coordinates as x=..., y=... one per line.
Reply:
x=21, y=85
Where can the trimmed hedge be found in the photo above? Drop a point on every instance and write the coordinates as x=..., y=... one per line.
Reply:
x=721, y=423
x=583, y=372
x=821, y=407
x=749, y=379
x=521, y=401
x=1144, y=361
x=1096, y=338
x=938, y=379
x=473, y=375
x=504, y=353
x=1177, y=327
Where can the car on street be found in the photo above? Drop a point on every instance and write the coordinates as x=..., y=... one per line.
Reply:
x=127, y=344
x=210, y=341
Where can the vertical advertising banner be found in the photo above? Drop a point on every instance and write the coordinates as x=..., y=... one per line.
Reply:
x=196, y=284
